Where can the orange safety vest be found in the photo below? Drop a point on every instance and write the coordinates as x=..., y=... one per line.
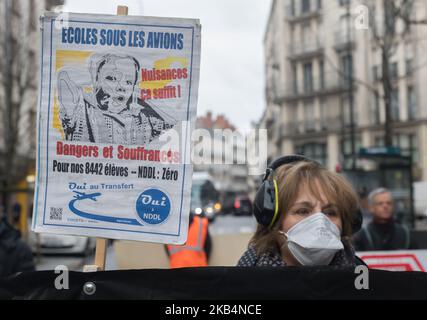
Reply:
x=192, y=254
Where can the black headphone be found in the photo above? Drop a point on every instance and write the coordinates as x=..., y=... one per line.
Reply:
x=266, y=204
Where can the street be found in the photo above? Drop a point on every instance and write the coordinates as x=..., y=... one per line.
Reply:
x=231, y=224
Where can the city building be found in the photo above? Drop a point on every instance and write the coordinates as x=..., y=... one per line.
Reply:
x=224, y=157
x=312, y=47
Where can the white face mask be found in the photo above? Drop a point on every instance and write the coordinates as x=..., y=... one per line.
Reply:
x=314, y=241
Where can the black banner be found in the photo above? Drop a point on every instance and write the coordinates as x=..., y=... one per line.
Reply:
x=217, y=283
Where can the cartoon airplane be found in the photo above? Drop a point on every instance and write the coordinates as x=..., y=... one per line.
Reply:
x=81, y=195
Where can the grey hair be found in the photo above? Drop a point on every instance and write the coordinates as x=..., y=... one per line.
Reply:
x=374, y=193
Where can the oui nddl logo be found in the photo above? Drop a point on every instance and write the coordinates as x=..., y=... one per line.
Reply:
x=153, y=206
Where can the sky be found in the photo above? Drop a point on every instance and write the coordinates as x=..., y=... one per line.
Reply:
x=232, y=57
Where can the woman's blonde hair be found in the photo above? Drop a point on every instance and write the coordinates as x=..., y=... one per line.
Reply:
x=291, y=178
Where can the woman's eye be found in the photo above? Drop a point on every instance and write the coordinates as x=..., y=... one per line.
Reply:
x=129, y=83
x=110, y=78
x=302, y=211
x=331, y=213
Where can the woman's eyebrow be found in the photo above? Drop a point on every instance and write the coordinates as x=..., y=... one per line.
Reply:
x=329, y=205
x=303, y=203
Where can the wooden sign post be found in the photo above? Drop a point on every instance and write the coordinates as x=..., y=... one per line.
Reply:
x=101, y=244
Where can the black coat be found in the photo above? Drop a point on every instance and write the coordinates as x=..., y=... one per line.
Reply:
x=389, y=236
x=15, y=255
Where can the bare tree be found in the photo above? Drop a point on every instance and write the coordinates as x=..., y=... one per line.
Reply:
x=390, y=24
x=19, y=28
x=388, y=28
x=16, y=84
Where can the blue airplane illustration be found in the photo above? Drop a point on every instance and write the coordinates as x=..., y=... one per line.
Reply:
x=81, y=195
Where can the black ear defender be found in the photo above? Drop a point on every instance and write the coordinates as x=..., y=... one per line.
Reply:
x=266, y=204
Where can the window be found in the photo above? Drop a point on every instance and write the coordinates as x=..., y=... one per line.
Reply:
x=295, y=79
x=347, y=67
x=315, y=151
x=394, y=71
x=346, y=111
x=395, y=104
x=343, y=2
x=379, y=142
x=376, y=76
x=407, y=144
x=412, y=103
x=308, y=78
x=319, y=4
x=323, y=115
x=346, y=145
x=408, y=67
x=306, y=35
x=292, y=8
x=322, y=74
x=376, y=109
x=305, y=6
x=309, y=116
x=346, y=28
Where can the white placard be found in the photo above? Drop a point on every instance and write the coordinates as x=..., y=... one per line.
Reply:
x=117, y=104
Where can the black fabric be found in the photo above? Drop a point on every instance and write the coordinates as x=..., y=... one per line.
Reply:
x=388, y=236
x=265, y=203
x=289, y=159
x=220, y=283
x=15, y=255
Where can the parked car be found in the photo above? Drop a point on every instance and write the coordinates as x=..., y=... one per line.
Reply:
x=242, y=206
x=47, y=243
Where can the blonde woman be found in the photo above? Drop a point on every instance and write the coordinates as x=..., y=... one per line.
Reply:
x=306, y=216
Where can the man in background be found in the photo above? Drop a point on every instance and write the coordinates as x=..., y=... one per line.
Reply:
x=383, y=232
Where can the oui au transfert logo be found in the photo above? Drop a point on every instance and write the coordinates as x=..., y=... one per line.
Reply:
x=153, y=206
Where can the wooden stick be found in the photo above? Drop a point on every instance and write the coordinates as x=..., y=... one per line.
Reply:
x=101, y=244
x=100, y=253
x=122, y=10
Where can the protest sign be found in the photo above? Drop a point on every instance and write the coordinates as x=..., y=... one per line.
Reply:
x=117, y=101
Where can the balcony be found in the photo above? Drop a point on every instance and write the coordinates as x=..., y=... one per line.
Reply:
x=344, y=40
x=310, y=127
x=290, y=129
x=295, y=14
x=305, y=50
x=333, y=83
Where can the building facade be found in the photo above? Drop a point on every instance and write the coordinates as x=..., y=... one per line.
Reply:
x=224, y=157
x=312, y=49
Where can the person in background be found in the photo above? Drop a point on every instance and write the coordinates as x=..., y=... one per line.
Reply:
x=307, y=220
x=383, y=232
x=197, y=249
x=15, y=254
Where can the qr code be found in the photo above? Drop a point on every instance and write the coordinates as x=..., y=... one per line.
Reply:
x=55, y=213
